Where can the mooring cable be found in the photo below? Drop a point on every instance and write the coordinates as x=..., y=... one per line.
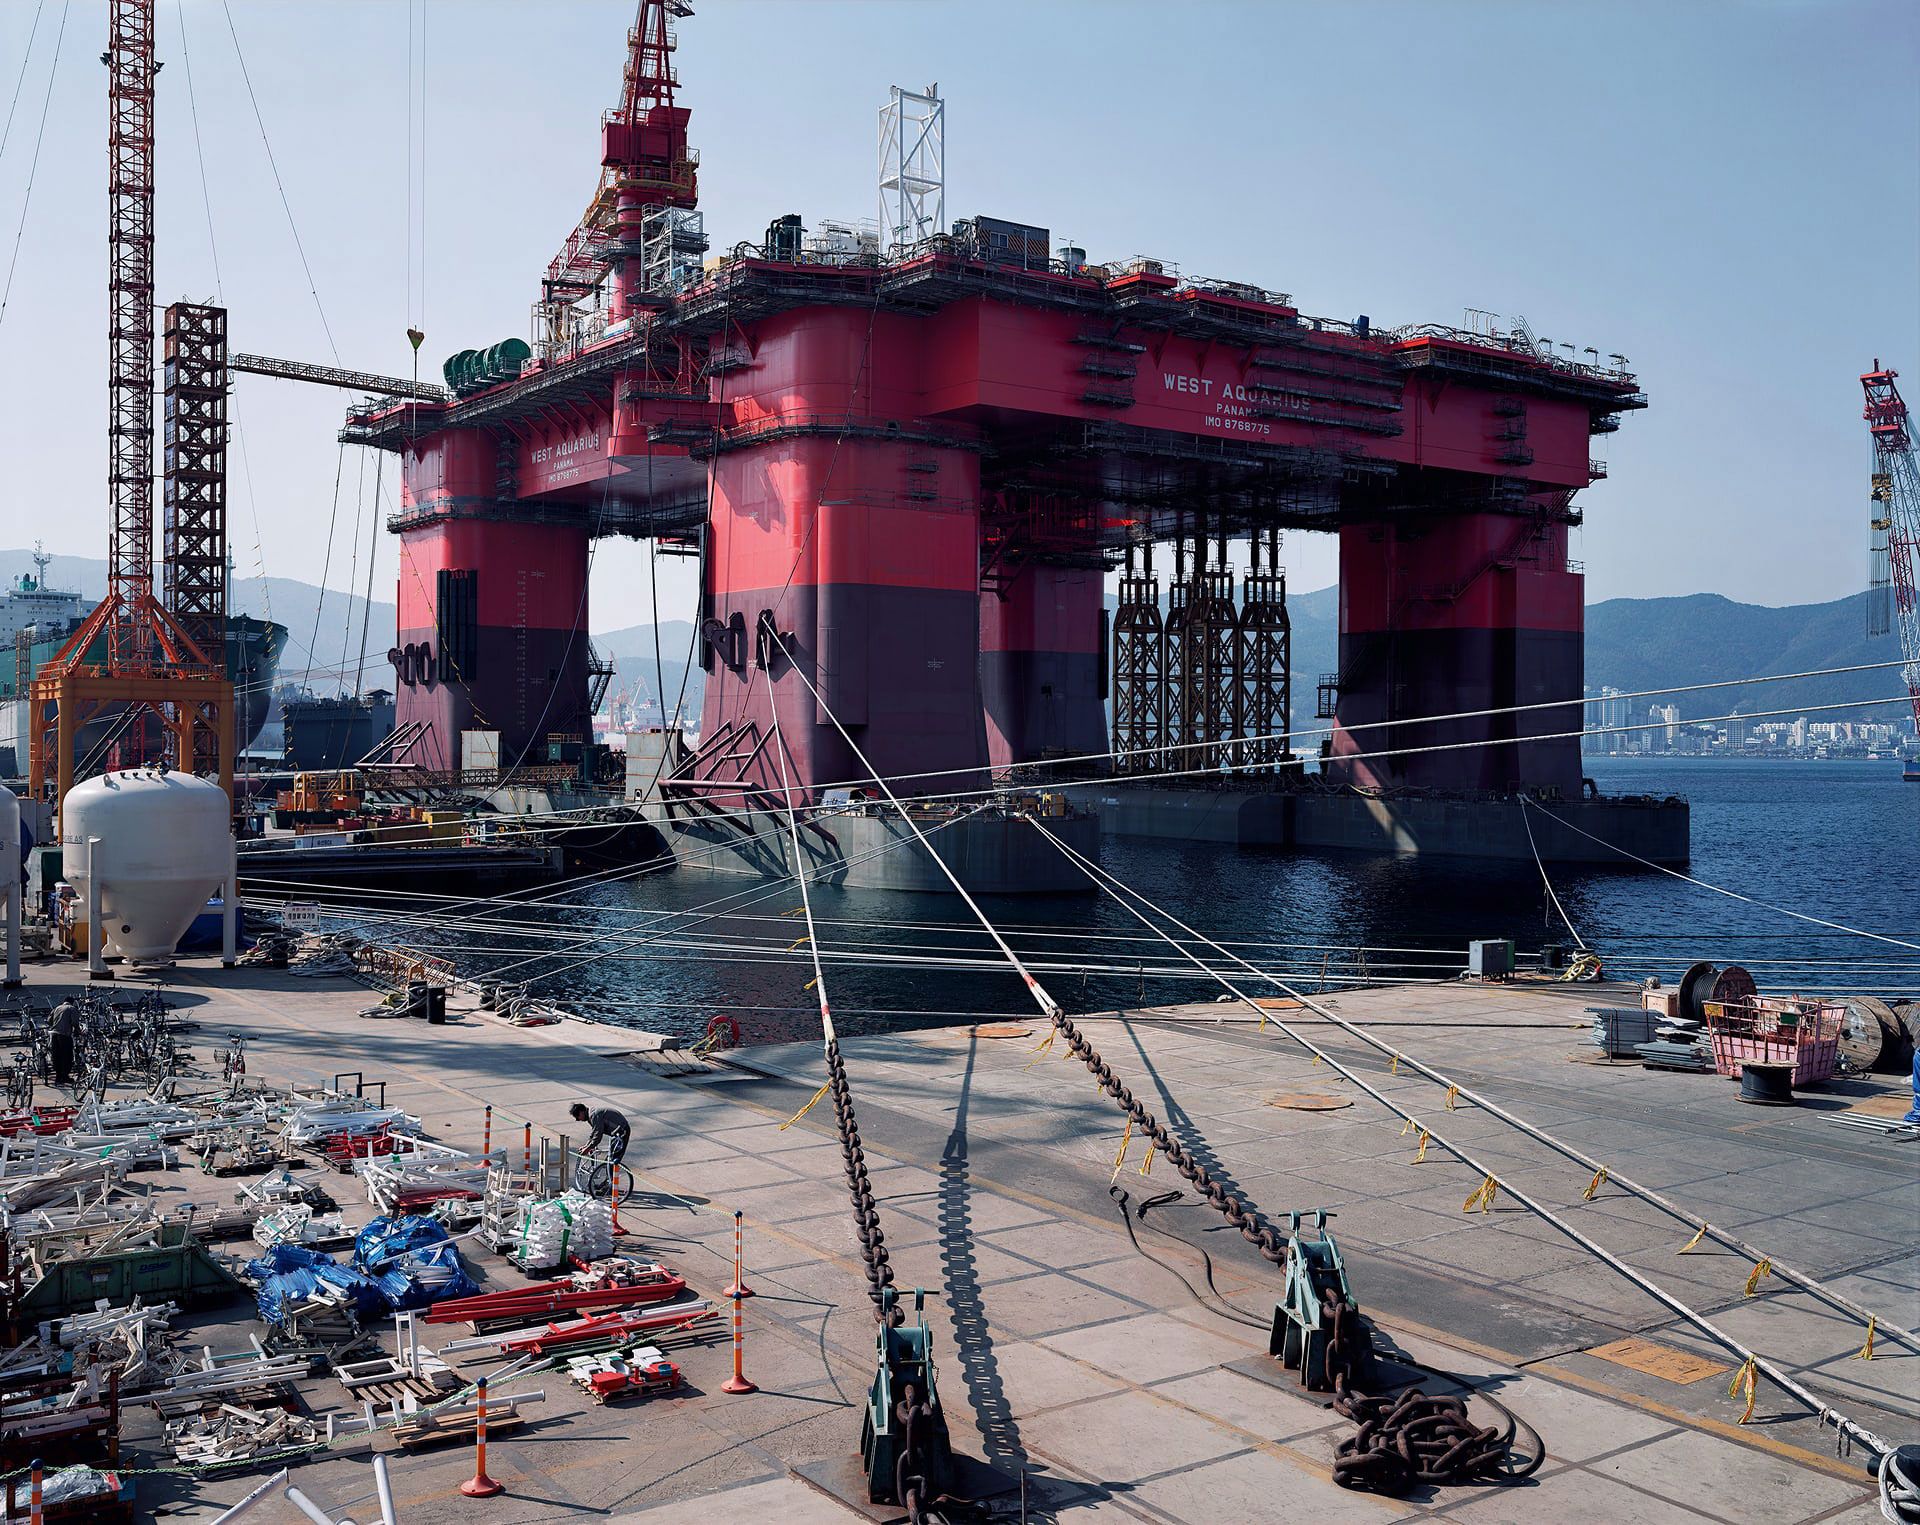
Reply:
x=1754, y=1362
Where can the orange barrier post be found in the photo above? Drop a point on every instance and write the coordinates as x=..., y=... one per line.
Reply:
x=480, y=1486
x=486, y=1136
x=739, y=1288
x=526, y=1153
x=738, y=1382
x=34, y=1513
x=613, y=1196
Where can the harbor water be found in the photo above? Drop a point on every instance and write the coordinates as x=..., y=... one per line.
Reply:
x=668, y=951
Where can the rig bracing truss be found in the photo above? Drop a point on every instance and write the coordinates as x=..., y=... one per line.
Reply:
x=1896, y=522
x=1190, y=687
x=1265, y=656
x=913, y=166
x=1139, y=671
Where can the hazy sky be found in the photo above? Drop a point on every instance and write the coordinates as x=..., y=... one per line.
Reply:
x=1727, y=193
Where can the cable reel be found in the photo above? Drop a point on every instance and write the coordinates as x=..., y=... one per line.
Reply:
x=903, y=1438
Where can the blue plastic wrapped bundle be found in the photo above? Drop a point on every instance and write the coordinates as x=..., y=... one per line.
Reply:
x=386, y=1240
x=289, y=1273
x=426, y=1276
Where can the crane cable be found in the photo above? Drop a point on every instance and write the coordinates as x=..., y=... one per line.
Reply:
x=1121, y=892
x=33, y=167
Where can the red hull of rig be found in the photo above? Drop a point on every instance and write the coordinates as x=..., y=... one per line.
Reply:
x=907, y=472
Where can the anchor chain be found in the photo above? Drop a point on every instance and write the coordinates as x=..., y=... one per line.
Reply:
x=1253, y=1227
x=909, y=1475
x=1413, y=1437
x=866, y=1216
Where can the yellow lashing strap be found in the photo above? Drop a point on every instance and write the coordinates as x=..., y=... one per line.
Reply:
x=1318, y=1057
x=1425, y=1138
x=795, y=943
x=1747, y=1376
x=1865, y=1352
x=1482, y=1197
x=1693, y=1241
x=809, y=985
x=1394, y=1068
x=1764, y=1268
x=1453, y=1095
x=1040, y=1049
x=1406, y=1127
x=1121, y=1158
x=1593, y=1186
x=1146, y=1169
x=807, y=1108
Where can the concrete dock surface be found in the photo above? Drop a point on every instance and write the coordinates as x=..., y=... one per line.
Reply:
x=1127, y=1377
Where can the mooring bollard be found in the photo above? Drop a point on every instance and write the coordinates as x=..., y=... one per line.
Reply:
x=738, y=1382
x=739, y=1288
x=480, y=1486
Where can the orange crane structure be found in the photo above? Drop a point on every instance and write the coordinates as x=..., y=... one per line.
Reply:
x=134, y=657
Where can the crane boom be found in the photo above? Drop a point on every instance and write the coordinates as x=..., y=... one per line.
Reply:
x=1896, y=518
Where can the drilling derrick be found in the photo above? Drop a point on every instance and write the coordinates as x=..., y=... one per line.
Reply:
x=1896, y=524
x=132, y=661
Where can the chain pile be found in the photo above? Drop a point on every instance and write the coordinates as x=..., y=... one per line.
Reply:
x=866, y=1216
x=1408, y=1439
x=1254, y=1228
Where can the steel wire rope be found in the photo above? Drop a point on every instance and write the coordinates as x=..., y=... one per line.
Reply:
x=19, y=84
x=1222, y=770
x=353, y=577
x=33, y=166
x=1123, y=893
x=1537, y=863
x=1244, y=1217
x=1817, y=921
x=366, y=598
x=286, y=206
x=326, y=564
x=1417, y=720
x=199, y=151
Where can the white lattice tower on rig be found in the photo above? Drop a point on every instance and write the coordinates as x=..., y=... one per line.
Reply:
x=913, y=166
x=1896, y=523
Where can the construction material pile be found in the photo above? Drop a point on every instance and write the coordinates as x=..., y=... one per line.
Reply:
x=397, y=1263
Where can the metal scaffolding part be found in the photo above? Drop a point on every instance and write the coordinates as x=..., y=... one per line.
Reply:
x=129, y=59
x=194, y=470
x=334, y=376
x=913, y=166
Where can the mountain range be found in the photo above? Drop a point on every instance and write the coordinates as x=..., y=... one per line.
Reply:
x=1632, y=644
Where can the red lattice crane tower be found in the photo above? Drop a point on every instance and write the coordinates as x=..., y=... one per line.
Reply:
x=130, y=657
x=1896, y=523
x=647, y=174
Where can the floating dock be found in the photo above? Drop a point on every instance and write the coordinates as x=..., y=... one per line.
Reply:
x=1115, y=1377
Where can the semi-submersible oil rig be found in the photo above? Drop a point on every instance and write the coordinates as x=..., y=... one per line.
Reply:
x=907, y=459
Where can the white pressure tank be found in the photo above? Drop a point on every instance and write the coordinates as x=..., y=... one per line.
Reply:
x=163, y=846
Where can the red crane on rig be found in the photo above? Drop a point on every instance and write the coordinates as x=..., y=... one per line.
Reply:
x=648, y=175
x=1894, y=598
x=164, y=661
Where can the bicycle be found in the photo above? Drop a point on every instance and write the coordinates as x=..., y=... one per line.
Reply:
x=592, y=1174
x=20, y=1080
x=233, y=1063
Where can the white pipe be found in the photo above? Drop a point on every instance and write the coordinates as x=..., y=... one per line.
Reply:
x=10, y=849
x=307, y=1507
x=96, y=932
x=384, y=1487
x=230, y=909
x=252, y=1498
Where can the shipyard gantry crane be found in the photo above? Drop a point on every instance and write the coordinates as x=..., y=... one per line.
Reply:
x=1894, y=598
x=134, y=656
